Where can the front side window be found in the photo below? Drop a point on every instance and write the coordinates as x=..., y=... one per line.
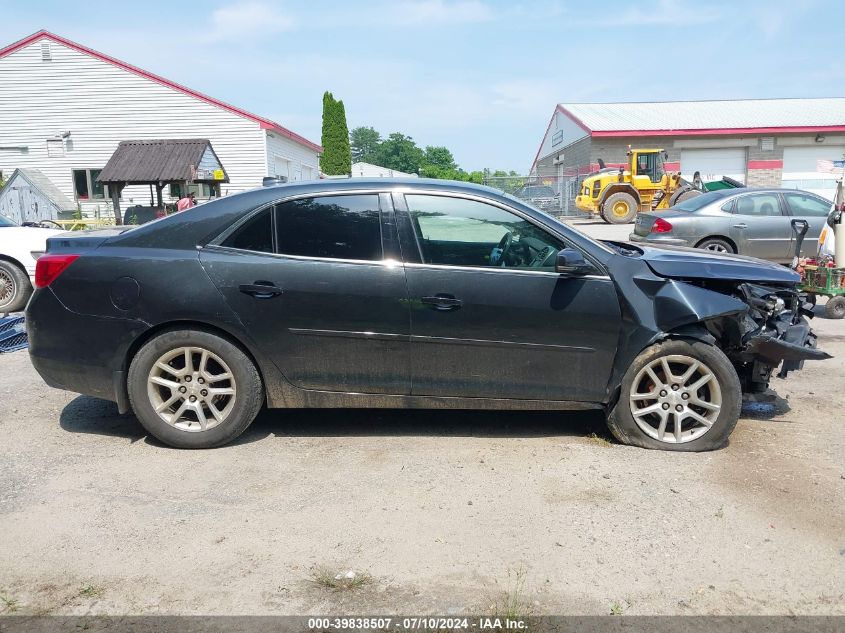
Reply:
x=337, y=227
x=461, y=232
x=807, y=205
x=758, y=204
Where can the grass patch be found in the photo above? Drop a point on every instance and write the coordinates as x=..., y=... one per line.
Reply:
x=342, y=581
x=513, y=603
x=90, y=591
x=8, y=604
x=599, y=439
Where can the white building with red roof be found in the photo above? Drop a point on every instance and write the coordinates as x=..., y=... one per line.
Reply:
x=65, y=107
x=766, y=142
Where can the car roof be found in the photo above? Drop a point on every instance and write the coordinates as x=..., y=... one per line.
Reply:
x=180, y=230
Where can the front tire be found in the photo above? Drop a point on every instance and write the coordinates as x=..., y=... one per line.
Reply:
x=194, y=389
x=620, y=208
x=677, y=396
x=15, y=288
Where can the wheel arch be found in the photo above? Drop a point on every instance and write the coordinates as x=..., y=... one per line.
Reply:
x=186, y=324
x=14, y=262
x=619, y=187
x=724, y=238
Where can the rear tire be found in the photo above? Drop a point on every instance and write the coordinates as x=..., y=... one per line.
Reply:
x=706, y=414
x=619, y=208
x=15, y=288
x=835, y=308
x=716, y=245
x=194, y=389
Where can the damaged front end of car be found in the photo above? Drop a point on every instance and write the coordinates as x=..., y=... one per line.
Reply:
x=773, y=331
x=750, y=309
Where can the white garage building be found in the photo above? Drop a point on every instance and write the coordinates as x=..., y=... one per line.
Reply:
x=762, y=142
x=65, y=107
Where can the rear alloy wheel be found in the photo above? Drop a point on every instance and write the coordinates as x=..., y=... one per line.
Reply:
x=678, y=395
x=835, y=308
x=620, y=208
x=194, y=389
x=15, y=288
x=716, y=245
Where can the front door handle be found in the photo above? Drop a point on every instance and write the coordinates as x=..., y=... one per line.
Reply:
x=741, y=225
x=442, y=302
x=261, y=289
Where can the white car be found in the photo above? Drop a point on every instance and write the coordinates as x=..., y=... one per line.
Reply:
x=20, y=247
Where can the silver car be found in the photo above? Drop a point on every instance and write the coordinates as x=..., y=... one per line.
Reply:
x=756, y=222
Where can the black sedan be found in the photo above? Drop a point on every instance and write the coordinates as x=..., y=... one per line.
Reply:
x=406, y=293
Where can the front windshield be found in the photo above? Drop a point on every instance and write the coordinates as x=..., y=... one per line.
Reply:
x=4, y=221
x=691, y=205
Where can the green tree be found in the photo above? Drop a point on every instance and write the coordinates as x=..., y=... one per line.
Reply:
x=439, y=157
x=400, y=152
x=364, y=142
x=336, y=158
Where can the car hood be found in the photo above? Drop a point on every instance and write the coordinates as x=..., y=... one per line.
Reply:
x=679, y=262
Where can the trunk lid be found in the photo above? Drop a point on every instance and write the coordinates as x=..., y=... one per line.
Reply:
x=77, y=241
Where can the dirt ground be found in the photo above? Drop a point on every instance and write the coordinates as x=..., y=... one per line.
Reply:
x=434, y=512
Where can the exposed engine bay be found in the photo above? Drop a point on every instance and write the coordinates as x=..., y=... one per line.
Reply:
x=773, y=331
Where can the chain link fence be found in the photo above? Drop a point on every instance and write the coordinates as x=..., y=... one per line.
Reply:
x=553, y=194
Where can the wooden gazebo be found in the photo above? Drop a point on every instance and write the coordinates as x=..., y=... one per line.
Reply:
x=161, y=162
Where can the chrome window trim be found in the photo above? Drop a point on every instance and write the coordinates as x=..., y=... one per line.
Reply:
x=405, y=190
x=390, y=263
x=498, y=269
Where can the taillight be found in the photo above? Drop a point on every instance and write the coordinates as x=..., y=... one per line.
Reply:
x=660, y=226
x=48, y=267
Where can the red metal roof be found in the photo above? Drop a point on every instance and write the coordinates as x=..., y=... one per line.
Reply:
x=265, y=124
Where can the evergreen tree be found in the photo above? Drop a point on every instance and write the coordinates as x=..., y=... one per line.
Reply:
x=336, y=158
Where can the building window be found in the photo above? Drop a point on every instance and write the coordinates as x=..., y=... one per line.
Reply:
x=201, y=190
x=86, y=187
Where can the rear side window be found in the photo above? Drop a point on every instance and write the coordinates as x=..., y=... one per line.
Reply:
x=256, y=234
x=698, y=202
x=338, y=227
x=758, y=204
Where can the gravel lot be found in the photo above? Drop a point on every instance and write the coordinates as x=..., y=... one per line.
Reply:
x=441, y=512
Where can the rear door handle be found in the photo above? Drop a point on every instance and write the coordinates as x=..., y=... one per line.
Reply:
x=261, y=289
x=443, y=302
x=741, y=226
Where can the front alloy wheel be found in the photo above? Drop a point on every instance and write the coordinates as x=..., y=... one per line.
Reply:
x=677, y=395
x=675, y=399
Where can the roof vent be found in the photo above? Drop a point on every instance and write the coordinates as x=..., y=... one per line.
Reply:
x=46, y=53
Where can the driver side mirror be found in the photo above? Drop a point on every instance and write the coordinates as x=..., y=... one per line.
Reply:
x=571, y=262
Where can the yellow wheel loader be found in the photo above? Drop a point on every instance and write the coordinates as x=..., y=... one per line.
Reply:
x=618, y=194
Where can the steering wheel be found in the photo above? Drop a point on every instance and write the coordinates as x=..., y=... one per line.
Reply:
x=497, y=255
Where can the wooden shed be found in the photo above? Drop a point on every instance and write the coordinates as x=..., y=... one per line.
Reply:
x=29, y=196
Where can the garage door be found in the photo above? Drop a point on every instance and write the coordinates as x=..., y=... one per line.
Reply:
x=800, y=168
x=714, y=163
